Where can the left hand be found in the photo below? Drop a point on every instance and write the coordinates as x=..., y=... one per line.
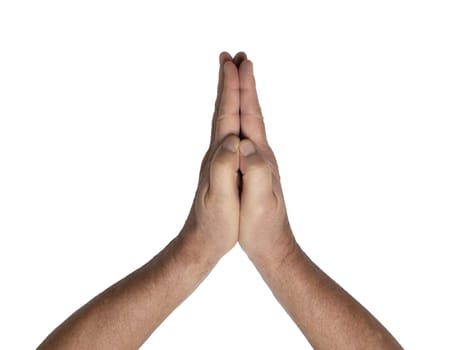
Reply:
x=264, y=232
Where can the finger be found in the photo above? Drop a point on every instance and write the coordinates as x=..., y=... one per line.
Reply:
x=251, y=119
x=256, y=172
x=223, y=58
x=239, y=58
x=224, y=168
x=227, y=119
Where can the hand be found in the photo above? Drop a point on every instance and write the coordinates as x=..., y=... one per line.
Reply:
x=227, y=207
x=264, y=230
x=213, y=221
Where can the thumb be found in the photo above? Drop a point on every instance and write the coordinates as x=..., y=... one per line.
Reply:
x=224, y=167
x=256, y=172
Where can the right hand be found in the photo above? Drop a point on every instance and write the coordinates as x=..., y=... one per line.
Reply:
x=264, y=232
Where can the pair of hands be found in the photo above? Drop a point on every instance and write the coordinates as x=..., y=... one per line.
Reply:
x=239, y=199
x=239, y=196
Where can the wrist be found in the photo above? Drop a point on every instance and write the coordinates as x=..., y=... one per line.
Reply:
x=197, y=249
x=282, y=252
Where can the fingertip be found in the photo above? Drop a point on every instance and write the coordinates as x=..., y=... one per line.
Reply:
x=247, y=65
x=247, y=147
x=239, y=58
x=224, y=166
x=224, y=57
x=231, y=143
x=246, y=73
x=256, y=171
x=231, y=73
x=227, y=64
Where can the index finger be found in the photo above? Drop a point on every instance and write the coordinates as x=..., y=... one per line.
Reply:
x=226, y=117
x=251, y=119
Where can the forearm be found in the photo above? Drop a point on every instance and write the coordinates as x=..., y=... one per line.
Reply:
x=123, y=316
x=326, y=314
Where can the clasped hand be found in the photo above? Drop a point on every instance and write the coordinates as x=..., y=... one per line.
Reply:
x=239, y=196
x=239, y=199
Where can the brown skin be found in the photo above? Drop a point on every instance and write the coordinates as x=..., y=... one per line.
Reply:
x=327, y=315
x=239, y=198
x=124, y=316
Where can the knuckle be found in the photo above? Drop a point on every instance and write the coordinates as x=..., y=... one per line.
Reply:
x=224, y=114
x=255, y=114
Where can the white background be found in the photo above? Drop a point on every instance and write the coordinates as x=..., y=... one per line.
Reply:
x=105, y=111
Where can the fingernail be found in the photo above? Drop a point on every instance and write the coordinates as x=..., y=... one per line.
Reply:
x=231, y=144
x=247, y=148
